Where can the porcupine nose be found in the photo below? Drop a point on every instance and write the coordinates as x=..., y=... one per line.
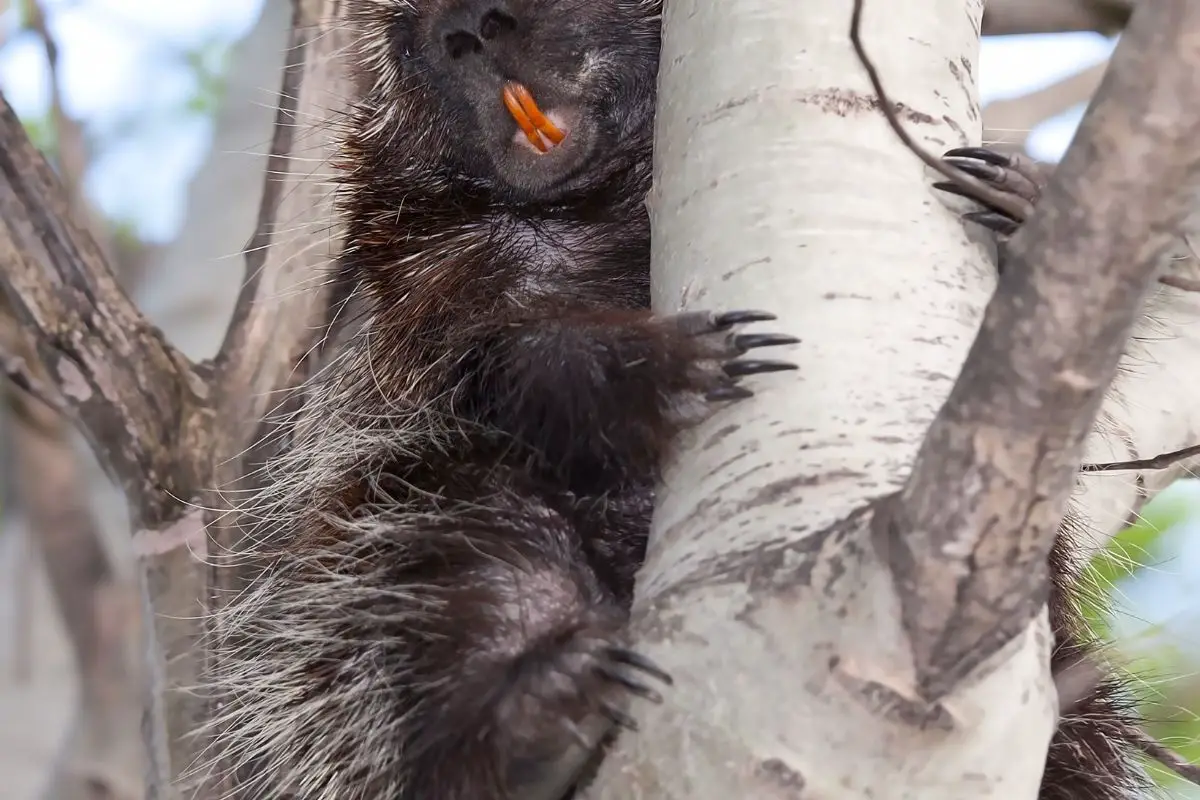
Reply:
x=476, y=27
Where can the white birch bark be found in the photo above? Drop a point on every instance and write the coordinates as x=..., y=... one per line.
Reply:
x=779, y=187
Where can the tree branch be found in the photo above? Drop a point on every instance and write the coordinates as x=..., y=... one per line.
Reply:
x=142, y=406
x=968, y=536
x=138, y=399
x=282, y=315
x=283, y=303
x=1055, y=16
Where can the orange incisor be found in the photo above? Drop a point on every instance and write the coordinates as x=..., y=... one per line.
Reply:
x=541, y=132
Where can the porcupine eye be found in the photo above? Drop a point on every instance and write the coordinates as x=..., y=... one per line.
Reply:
x=402, y=41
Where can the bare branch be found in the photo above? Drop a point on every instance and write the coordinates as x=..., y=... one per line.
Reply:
x=1170, y=759
x=137, y=398
x=284, y=302
x=283, y=312
x=1002, y=17
x=1004, y=201
x=968, y=536
x=1160, y=461
x=1180, y=282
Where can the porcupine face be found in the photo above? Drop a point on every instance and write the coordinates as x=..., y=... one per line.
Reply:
x=530, y=98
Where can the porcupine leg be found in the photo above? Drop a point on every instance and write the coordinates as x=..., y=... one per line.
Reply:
x=596, y=396
x=1091, y=754
x=517, y=661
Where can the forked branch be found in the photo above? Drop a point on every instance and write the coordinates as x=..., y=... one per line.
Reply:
x=137, y=398
x=968, y=536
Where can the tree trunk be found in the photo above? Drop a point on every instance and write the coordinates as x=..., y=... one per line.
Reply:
x=767, y=591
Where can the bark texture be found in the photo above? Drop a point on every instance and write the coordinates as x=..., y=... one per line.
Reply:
x=968, y=537
x=766, y=566
x=172, y=433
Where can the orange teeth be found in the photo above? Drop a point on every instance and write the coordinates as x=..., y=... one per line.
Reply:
x=541, y=132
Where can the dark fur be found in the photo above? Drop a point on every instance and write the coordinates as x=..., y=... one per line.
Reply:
x=455, y=534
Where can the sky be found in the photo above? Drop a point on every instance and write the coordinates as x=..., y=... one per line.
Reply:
x=119, y=58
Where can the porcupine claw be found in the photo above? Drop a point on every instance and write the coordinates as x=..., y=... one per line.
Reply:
x=718, y=343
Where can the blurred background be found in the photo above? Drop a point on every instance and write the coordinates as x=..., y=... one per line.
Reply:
x=158, y=114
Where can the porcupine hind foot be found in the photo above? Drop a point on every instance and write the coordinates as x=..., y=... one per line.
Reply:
x=522, y=667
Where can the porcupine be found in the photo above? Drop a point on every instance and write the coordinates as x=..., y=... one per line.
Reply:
x=451, y=541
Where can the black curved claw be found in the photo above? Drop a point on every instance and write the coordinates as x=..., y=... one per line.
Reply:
x=954, y=188
x=736, y=369
x=746, y=341
x=731, y=318
x=985, y=172
x=636, y=660
x=996, y=220
x=634, y=687
x=980, y=154
x=1000, y=223
x=723, y=393
x=618, y=716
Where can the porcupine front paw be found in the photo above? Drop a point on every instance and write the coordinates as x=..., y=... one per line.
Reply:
x=595, y=396
x=1015, y=175
x=566, y=698
x=716, y=350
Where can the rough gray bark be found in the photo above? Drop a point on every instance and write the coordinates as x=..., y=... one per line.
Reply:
x=170, y=432
x=969, y=535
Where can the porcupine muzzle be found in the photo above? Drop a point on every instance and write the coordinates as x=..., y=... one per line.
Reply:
x=538, y=129
x=509, y=67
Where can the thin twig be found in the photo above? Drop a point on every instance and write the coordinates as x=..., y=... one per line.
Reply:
x=1180, y=282
x=1004, y=201
x=1160, y=461
x=1169, y=758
